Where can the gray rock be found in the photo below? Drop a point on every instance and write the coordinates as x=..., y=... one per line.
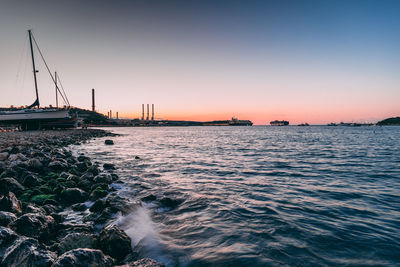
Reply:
x=79, y=207
x=77, y=240
x=74, y=195
x=94, y=170
x=10, y=185
x=27, y=252
x=35, y=164
x=98, y=205
x=3, y=156
x=115, y=242
x=108, y=166
x=30, y=180
x=7, y=236
x=9, y=202
x=57, y=166
x=35, y=225
x=83, y=257
x=146, y=262
x=18, y=156
x=103, y=178
x=6, y=218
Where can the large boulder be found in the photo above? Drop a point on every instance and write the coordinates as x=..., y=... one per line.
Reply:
x=6, y=218
x=27, y=252
x=34, y=225
x=9, y=202
x=108, y=166
x=83, y=257
x=74, y=195
x=3, y=156
x=7, y=236
x=35, y=165
x=115, y=242
x=77, y=240
x=30, y=180
x=10, y=185
x=146, y=262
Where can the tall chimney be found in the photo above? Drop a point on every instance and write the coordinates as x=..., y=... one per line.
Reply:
x=117, y=115
x=152, y=112
x=142, y=112
x=147, y=112
x=110, y=114
x=93, y=100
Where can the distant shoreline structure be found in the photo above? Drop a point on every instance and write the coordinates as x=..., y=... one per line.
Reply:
x=279, y=123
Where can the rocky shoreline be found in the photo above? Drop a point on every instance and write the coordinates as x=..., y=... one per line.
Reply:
x=41, y=184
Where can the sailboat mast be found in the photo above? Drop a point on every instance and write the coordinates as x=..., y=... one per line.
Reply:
x=34, y=68
x=55, y=81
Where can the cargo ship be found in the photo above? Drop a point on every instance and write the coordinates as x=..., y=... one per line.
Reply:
x=232, y=122
x=279, y=123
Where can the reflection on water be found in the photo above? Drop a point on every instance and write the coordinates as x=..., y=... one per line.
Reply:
x=260, y=195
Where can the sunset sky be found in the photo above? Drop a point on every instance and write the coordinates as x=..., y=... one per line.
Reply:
x=303, y=61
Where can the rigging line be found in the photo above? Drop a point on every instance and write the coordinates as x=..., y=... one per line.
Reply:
x=65, y=99
x=47, y=67
x=62, y=87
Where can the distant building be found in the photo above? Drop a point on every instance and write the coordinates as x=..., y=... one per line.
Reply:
x=279, y=123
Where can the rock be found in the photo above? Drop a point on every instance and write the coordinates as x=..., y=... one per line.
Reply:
x=81, y=166
x=79, y=207
x=108, y=142
x=18, y=156
x=9, y=202
x=103, y=178
x=35, y=225
x=57, y=166
x=74, y=195
x=83, y=257
x=35, y=165
x=77, y=240
x=98, y=205
x=30, y=180
x=3, y=156
x=137, y=157
x=6, y=218
x=149, y=198
x=146, y=262
x=7, y=236
x=94, y=170
x=106, y=215
x=10, y=185
x=170, y=203
x=27, y=252
x=108, y=166
x=97, y=193
x=42, y=199
x=115, y=242
x=33, y=209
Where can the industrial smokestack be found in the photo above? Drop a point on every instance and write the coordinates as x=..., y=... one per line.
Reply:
x=93, y=106
x=142, y=112
x=152, y=112
x=147, y=112
x=117, y=115
x=110, y=114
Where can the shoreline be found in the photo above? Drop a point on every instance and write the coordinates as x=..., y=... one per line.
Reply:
x=56, y=209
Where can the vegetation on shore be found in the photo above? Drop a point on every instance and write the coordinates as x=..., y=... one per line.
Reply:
x=390, y=121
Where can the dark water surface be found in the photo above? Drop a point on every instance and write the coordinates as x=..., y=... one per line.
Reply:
x=260, y=195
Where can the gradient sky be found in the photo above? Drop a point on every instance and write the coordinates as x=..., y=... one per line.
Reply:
x=303, y=61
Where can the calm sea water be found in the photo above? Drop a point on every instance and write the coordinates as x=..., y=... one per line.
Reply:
x=260, y=195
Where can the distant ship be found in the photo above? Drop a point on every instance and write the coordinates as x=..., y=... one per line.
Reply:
x=31, y=118
x=304, y=124
x=279, y=123
x=232, y=122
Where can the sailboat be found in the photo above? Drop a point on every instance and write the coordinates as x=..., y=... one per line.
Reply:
x=33, y=117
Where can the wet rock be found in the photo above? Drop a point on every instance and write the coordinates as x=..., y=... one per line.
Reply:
x=35, y=225
x=108, y=166
x=3, y=156
x=6, y=218
x=79, y=207
x=137, y=157
x=108, y=142
x=10, y=185
x=74, y=195
x=42, y=199
x=84, y=185
x=77, y=240
x=149, y=198
x=106, y=215
x=103, y=178
x=94, y=170
x=9, y=202
x=170, y=203
x=30, y=180
x=81, y=166
x=98, y=205
x=49, y=209
x=83, y=257
x=57, y=166
x=115, y=242
x=27, y=252
x=87, y=176
x=18, y=156
x=9, y=173
x=33, y=209
x=118, y=203
x=146, y=262
x=35, y=165
x=7, y=236
x=97, y=193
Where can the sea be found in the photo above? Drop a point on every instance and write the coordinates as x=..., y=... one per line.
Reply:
x=260, y=195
